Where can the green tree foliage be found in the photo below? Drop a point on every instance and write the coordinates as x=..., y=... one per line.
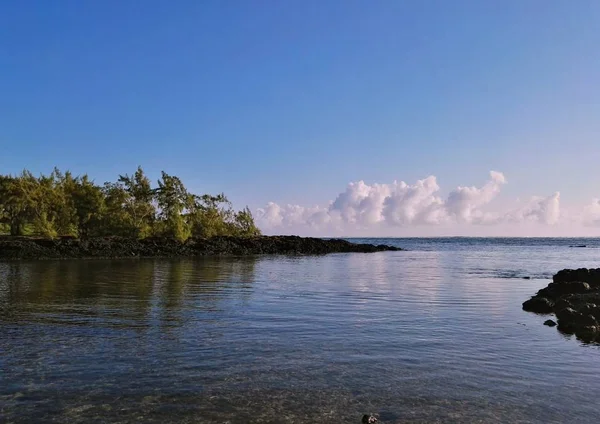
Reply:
x=13, y=205
x=138, y=202
x=173, y=201
x=116, y=219
x=37, y=195
x=214, y=216
x=61, y=204
x=244, y=223
x=88, y=202
x=210, y=215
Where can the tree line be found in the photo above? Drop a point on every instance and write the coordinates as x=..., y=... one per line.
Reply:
x=61, y=204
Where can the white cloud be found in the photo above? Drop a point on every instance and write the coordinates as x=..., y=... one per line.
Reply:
x=464, y=203
x=591, y=214
x=361, y=204
x=290, y=216
x=362, y=208
x=418, y=204
x=542, y=210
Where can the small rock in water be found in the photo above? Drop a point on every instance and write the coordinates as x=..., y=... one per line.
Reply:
x=549, y=323
x=368, y=419
x=527, y=278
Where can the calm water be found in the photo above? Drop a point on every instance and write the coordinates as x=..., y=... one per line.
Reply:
x=435, y=334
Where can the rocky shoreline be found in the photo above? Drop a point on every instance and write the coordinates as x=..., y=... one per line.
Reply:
x=573, y=297
x=15, y=248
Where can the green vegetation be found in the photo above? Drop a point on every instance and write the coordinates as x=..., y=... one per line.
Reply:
x=61, y=204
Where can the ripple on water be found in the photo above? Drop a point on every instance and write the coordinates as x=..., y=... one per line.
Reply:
x=435, y=335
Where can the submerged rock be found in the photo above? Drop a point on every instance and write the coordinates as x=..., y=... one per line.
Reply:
x=573, y=296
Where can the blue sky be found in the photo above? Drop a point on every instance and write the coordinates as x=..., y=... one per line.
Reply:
x=290, y=101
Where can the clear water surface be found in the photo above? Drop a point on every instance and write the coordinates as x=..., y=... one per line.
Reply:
x=433, y=334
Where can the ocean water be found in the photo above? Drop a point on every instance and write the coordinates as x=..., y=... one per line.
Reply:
x=432, y=334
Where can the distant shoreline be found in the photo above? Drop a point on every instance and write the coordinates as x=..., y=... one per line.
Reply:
x=35, y=248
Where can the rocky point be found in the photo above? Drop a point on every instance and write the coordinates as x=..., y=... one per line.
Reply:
x=573, y=297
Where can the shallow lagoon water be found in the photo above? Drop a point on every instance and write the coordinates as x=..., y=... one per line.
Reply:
x=433, y=334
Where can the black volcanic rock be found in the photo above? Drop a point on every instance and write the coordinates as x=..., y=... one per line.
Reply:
x=573, y=296
x=539, y=305
x=121, y=247
x=590, y=276
x=556, y=290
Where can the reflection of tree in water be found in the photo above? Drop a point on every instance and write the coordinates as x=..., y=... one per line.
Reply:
x=12, y=285
x=68, y=291
x=185, y=287
x=120, y=292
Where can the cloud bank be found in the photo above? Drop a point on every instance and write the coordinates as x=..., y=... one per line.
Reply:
x=418, y=209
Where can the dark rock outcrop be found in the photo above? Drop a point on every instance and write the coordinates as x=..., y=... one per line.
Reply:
x=540, y=305
x=121, y=247
x=573, y=296
x=550, y=323
x=590, y=276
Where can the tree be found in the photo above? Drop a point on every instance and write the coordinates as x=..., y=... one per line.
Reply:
x=38, y=195
x=62, y=204
x=88, y=201
x=214, y=216
x=139, y=201
x=210, y=215
x=245, y=225
x=173, y=199
x=115, y=219
x=63, y=209
x=13, y=207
